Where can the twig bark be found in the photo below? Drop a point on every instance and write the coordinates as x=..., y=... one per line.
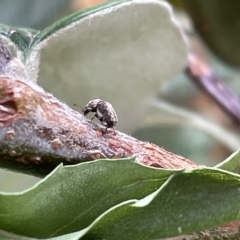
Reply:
x=206, y=79
x=226, y=232
x=39, y=130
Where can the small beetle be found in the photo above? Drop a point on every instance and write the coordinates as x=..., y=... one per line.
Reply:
x=103, y=111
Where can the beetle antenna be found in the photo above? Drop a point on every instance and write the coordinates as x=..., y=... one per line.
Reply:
x=78, y=106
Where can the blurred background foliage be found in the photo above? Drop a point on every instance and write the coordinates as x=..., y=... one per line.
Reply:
x=212, y=29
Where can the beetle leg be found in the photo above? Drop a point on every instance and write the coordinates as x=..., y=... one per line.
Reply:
x=95, y=115
x=104, y=131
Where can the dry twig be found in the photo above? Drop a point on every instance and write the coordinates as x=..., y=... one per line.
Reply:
x=38, y=129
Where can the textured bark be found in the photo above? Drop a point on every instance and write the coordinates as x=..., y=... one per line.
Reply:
x=39, y=130
x=226, y=232
x=206, y=79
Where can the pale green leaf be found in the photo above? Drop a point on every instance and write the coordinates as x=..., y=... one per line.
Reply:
x=121, y=52
x=232, y=163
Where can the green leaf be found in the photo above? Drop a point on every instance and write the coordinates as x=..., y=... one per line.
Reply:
x=71, y=19
x=120, y=199
x=120, y=50
x=11, y=236
x=189, y=201
x=71, y=236
x=232, y=163
x=72, y=197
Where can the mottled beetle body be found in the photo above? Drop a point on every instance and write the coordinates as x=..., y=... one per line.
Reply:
x=103, y=111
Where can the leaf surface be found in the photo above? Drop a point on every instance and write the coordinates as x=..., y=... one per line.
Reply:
x=189, y=201
x=121, y=52
x=232, y=163
x=72, y=197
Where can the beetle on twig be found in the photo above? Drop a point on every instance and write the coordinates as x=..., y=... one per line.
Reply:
x=103, y=111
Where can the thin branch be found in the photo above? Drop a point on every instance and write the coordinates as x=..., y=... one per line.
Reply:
x=204, y=77
x=39, y=130
x=229, y=231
